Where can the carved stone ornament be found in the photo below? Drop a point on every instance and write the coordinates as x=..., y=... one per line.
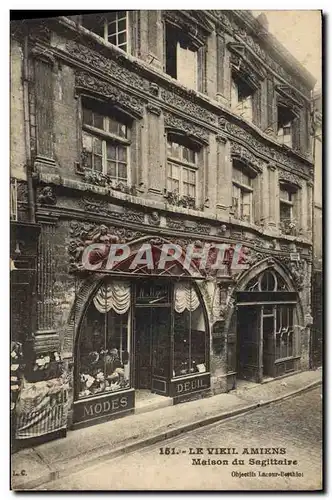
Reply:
x=230, y=26
x=241, y=153
x=188, y=128
x=83, y=234
x=174, y=198
x=109, y=92
x=46, y=196
x=154, y=218
x=286, y=176
x=104, y=180
x=178, y=99
x=271, y=152
x=297, y=270
x=101, y=207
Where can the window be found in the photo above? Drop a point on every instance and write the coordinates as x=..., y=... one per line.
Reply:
x=181, y=58
x=181, y=168
x=190, y=354
x=104, y=343
x=242, y=98
x=106, y=144
x=285, y=125
x=111, y=26
x=242, y=192
x=284, y=331
x=286, y=204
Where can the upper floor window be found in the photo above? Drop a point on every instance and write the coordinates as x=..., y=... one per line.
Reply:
x=242, y=97
x=106, y=142
x=285, y=126
x=286, y=204
x=182, y=58
x=289, y=198
x=111, y=26
x=181, y=168
x=242, y=194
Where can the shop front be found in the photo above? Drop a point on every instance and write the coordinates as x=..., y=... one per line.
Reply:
x=267, y=319
x=139, y=335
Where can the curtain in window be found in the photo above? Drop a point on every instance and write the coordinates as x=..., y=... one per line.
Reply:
x=185, y=297
x=114, y=295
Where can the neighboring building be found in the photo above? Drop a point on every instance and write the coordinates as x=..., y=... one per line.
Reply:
x=187, y=127
x=317, y=274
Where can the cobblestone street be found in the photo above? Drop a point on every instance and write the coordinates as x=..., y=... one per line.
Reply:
x=294, y=424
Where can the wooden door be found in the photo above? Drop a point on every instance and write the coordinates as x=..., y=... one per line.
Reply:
x=143, y=348
x=249, y=343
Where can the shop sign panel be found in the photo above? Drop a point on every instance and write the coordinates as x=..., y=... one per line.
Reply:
x=188, y=385
x=108, y=404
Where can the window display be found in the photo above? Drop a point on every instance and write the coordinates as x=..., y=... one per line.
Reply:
x=105, y=341
x=189, y=332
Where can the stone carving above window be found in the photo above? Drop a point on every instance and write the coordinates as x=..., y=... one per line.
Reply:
x=241, y=153
x=286, y=176
x=230, y=26
x=179, y=100
x=190, y=129
x=109, y=92
x=239, y=133
x=174, y=198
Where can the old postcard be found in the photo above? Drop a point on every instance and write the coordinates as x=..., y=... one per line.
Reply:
x=166, y=250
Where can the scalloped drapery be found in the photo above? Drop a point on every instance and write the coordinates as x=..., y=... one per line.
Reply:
x=114, y=295
x=185, y=297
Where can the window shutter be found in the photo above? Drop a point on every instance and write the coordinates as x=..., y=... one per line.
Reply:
x=186, y=67
x=200, y=69
x=304, y=133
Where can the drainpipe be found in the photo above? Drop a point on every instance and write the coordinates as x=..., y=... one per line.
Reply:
x=31, y=202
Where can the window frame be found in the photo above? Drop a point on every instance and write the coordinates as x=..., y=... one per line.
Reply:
x=107, y=138
x=289, y=203
x=106, y=23
x=236, y=80
x=244, y=189
x=182, y=164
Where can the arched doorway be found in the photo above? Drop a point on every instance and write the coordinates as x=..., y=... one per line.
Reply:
x=265, y=324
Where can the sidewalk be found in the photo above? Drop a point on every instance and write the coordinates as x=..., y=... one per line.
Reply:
x=85, y=447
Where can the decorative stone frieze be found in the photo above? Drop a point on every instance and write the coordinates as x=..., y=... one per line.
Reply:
x=84, y=81
x=286, y=176
x=103, y=208
x=185, y=126
x=238, y=133
x=46, y=196
x=241, y=153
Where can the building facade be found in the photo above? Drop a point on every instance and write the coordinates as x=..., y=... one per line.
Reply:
x=154, y=127
x=317, y=275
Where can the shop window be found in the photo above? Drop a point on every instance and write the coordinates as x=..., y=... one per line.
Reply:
x=181, y=167
x=242, y=97
x=111, y=26
x=242, y=192
x=190, y=354
x=104, y=342
x=284, y=332
x=182, y=57
x=106, y=142
x=285, y=126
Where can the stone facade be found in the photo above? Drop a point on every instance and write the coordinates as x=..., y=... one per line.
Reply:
x=66, y=63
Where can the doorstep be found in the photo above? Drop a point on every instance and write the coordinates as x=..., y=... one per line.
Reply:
x=145, y=401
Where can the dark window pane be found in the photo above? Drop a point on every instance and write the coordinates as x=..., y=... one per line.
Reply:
x=112, y=39
x=122, y=38
x=122, y=25
x=111, y=151
x=98, y=121
x=89, y=160
x=122, y=170
x=111, y=168
x=87, y=116
x=122, y=153
x=97, y=146
x=98, y=163
x=121, y=14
